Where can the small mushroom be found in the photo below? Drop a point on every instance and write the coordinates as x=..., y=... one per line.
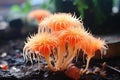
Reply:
x=38, y=15
x=40, y=45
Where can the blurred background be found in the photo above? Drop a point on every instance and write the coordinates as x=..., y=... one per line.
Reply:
x=99, y=16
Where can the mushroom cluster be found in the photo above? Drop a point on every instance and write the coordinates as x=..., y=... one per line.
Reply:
x=59, y=39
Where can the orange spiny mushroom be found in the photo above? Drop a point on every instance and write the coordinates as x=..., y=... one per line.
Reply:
x=90, y=45
x=72, y=37
x=61, y=21
x=67, y=36
x=38, y=15
x=41, y=45
x=77, y=38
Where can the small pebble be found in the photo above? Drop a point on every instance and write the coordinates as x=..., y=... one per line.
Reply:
x=46, y=74
x=14, y=69
x=17, y=50
x=104, y=65
x=4, y=54
x=96, y=70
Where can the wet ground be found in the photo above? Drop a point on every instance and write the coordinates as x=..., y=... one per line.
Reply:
x=13, y=67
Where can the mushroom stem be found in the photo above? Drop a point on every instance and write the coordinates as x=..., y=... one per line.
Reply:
x=69, y=58
x=61, y=52
x=55, y=55
x=49, y=63
x=87, y=64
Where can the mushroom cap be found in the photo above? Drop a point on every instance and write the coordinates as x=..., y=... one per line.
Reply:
x=71, y=36
x=41, y=43
x=91, y=44
x=61, y=21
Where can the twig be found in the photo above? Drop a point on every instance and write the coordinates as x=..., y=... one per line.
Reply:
x=113, y=68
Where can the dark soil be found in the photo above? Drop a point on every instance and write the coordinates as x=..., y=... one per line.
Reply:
x=11, y=55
